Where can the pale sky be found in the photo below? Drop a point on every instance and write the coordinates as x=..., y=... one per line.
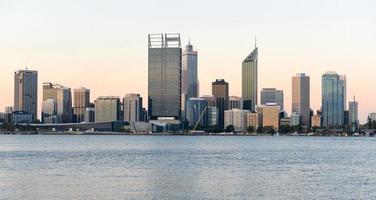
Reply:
x=102, y=45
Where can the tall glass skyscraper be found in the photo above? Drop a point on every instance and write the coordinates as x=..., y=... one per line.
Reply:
x=332, y=100
x=26, y=91
x=249, y=80
x=197, y=110
x=189, y=85
x=164, y=76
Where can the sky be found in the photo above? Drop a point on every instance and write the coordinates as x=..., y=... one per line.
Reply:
x=102, y=45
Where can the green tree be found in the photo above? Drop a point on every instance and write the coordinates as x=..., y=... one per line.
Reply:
x=230, y=128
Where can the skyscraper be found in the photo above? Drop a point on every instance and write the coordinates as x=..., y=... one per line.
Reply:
x=220, y=90
x=63, y=98
x=300, y=101
x=344, y=85
x=49, y=112
x=197, y=112
x=107, y=109
x=81, y=101
x=164, y=76
x=332, y=100
x=249, y=80
x=189, y=85
x=272, y=95
x=132, y=108
x=353, y=115
x=26, y=92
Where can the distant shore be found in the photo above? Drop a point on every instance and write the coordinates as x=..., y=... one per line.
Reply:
x=180, y=134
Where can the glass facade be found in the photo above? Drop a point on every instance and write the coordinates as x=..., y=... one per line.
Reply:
x=249, y=81
x=189, y=74
x=332, y=100
x=195, y=108
x=164, y=76
x=26, y=92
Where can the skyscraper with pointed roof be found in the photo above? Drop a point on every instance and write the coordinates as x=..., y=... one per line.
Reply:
x=250, y=80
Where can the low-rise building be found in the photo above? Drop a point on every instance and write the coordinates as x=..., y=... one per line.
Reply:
x=237, y=118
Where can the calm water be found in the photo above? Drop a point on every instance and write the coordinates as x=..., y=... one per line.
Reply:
x=173, y=167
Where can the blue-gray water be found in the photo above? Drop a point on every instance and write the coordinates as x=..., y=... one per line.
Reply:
x=178, y=167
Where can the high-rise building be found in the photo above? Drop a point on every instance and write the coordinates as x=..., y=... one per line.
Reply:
x=220, y=90
x=189, y=84
x=26, y=92
x=272, y=95
x=344, y=85
x=235, y=102
x=212, y=116
x=107, y=109
x=353, y=115
x=371, y=116
x=249, y=80
x=295, y=119
x=63, y=98
x=237, y=118
x=81, y=101
x=89, y=115
x=197, y=112
x=132, y=108
x=270, y=115
x=49, y=112
x=316, y=121
x=332, y=100
x=300, y=101
x=164, y=76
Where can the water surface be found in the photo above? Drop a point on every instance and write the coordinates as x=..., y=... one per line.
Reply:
x=186, y=167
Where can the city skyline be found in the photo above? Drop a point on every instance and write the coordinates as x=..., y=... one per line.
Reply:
x=343, y=44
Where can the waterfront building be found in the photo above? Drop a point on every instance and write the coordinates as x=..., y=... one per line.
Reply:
x=189, y=85
x=237, y=118
x=197, y=112
x=270, y=115
x=212, y=116
x=300, y=101
x=107, y=109
x=250, y=80
x=332, y=100
x=235, y=102
x=353, y=115
x=295, y=119
x=49, y=112
x=132, y=107
x=63, y=98
x=253, y=120
x=344, y=85
x=316, y=121
x=164, y=76
x=81, y=101
x=26, y=92
x=220, y=90
x=272, y=95
x=22, y=117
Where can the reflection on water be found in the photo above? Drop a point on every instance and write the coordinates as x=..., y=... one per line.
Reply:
x=178, y=167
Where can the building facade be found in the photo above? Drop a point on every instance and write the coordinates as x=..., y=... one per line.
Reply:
x=253, y=120
x=107, y=109
x=81, y=101
x=353, y=115
x=272, y=95
x=220, y=90
x=189, y=85
x=197, y=112
x=270, y=115
x=63, y=98
x=237, y=118
x=132, y=107
x=250, y=80
x=235, y=102
x=49, y=112
x=26, y=92
x=300, y=101
x=332, y=100
x=164, y=76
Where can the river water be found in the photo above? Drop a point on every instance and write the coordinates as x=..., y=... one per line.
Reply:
x=186, y=167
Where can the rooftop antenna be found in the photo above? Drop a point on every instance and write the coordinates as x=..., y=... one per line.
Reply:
x=255, y=41
x=189, y=40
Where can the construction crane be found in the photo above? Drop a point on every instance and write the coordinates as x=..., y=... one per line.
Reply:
x=200, y=118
